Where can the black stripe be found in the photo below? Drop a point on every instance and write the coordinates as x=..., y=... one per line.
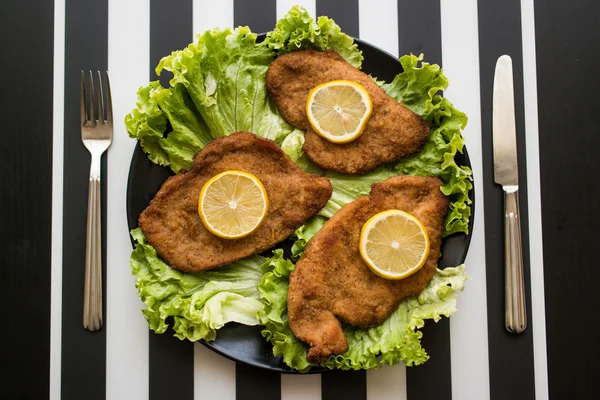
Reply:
x=420, y=31
x=510, y=356
x=343, y=12
x=259, y=15
x=348, y=385
x=171, y=360
x=83, y=352
x=567, y=38
x=436, y=341
x=351, y=385
x=26, y=196
x=252, y=382
x=170, y=30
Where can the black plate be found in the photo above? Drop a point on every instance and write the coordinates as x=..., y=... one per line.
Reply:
x=242, y=343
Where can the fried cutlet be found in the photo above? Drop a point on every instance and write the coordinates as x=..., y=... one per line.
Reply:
x=331, y=283
x=173, y=227
x=393, y=131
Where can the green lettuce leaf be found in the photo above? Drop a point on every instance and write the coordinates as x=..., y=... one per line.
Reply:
x=199, y=303
x=218, y=87
x=305, y=233
x=397, y=339
x=347, y=188
x=417, y=88
x=297, y=30
x=159, y=108
x=273, y=290
x=292, y=146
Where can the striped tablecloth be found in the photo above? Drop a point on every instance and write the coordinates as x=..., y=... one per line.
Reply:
x=48, y=352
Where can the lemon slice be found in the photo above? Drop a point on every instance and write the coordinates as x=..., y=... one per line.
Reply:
x=339, y=110
x=394, y=244
x=233, y=204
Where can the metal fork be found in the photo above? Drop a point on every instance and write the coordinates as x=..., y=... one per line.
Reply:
x=96, y=135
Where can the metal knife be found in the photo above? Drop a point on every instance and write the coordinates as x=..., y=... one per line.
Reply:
x=506, y=173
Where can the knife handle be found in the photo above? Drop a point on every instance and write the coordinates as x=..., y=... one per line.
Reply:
x=516, y=314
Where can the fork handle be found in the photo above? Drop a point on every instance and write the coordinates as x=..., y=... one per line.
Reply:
x=92, y=300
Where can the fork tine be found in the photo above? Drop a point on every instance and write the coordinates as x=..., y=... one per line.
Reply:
x=92, y=111
x=100, y=99
x=82, y=100
x=109, y=116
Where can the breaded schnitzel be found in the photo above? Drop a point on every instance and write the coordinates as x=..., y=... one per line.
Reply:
x=393, y=131
x=332, y=283
x=173, y=227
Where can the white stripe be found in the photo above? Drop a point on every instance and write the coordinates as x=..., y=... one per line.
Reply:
x=283, y=6
x=536, y=253
x=126, y=327
x=57, y=198
x=300, y=387
x=378, y=25
x=214, y=375
x=468, y=327
x=209, y=14
x=387, y=383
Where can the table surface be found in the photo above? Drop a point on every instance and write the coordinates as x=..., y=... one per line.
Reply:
x=554, y=46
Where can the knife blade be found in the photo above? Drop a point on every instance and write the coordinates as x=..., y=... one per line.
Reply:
x=506, y=173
